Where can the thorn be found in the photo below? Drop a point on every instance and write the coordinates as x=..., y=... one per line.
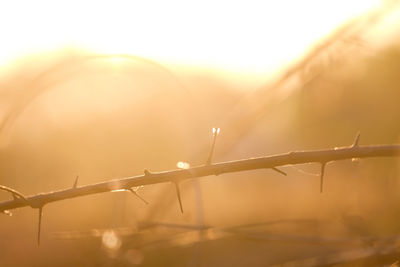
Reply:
x=40, y=224
x=322, y=176
x=178, y=194
x=146, y=172
x=16, y=195
x=355, y=144
x=76, y=182
x=136, y=194
x=215, y=134
x=280, y=171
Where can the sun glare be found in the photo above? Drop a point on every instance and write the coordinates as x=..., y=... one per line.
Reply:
x=110, y=240
x=249, y=36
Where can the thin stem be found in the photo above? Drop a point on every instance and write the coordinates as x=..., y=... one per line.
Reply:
x=268, y=162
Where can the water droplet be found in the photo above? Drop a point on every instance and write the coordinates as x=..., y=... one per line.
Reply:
x=216, y=131
x=7, y=212
x=183, y=165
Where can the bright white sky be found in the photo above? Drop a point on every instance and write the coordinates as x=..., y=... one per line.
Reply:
x=245, y=36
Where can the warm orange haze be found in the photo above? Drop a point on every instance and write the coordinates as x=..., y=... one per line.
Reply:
x=253, y=37
x=160, y=93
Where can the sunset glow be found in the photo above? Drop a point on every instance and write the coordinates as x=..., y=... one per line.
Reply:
x=249, y=36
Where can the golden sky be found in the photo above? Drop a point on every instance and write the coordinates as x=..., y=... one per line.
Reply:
x=244, y=36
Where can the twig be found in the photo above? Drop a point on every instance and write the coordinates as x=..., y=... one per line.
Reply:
x=268, y=162
x=176, y=176
x=14, y=193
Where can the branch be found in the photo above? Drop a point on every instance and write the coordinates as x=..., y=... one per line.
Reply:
x=176, y=176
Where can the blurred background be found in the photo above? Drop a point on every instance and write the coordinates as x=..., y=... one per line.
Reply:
x=104, y=91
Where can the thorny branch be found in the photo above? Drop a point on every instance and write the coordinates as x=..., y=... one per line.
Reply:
x=176, y=176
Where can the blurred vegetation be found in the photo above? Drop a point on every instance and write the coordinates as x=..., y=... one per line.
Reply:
x=102, y=120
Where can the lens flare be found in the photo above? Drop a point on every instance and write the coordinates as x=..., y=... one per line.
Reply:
x=110, y=240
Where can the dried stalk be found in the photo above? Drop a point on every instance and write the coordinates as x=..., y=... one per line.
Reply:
x=176, y=176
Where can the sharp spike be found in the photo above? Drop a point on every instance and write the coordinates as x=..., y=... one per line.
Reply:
x=76, y=182
x=16, y=195
x=322, y=176
x=280, y=171
x=178, y=194
x=137, y=195
x=215, y=134
x=356, y=140
x=40, y=224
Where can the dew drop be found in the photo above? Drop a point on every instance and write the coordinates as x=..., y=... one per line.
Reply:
x=7, y=212
x=183, y=165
